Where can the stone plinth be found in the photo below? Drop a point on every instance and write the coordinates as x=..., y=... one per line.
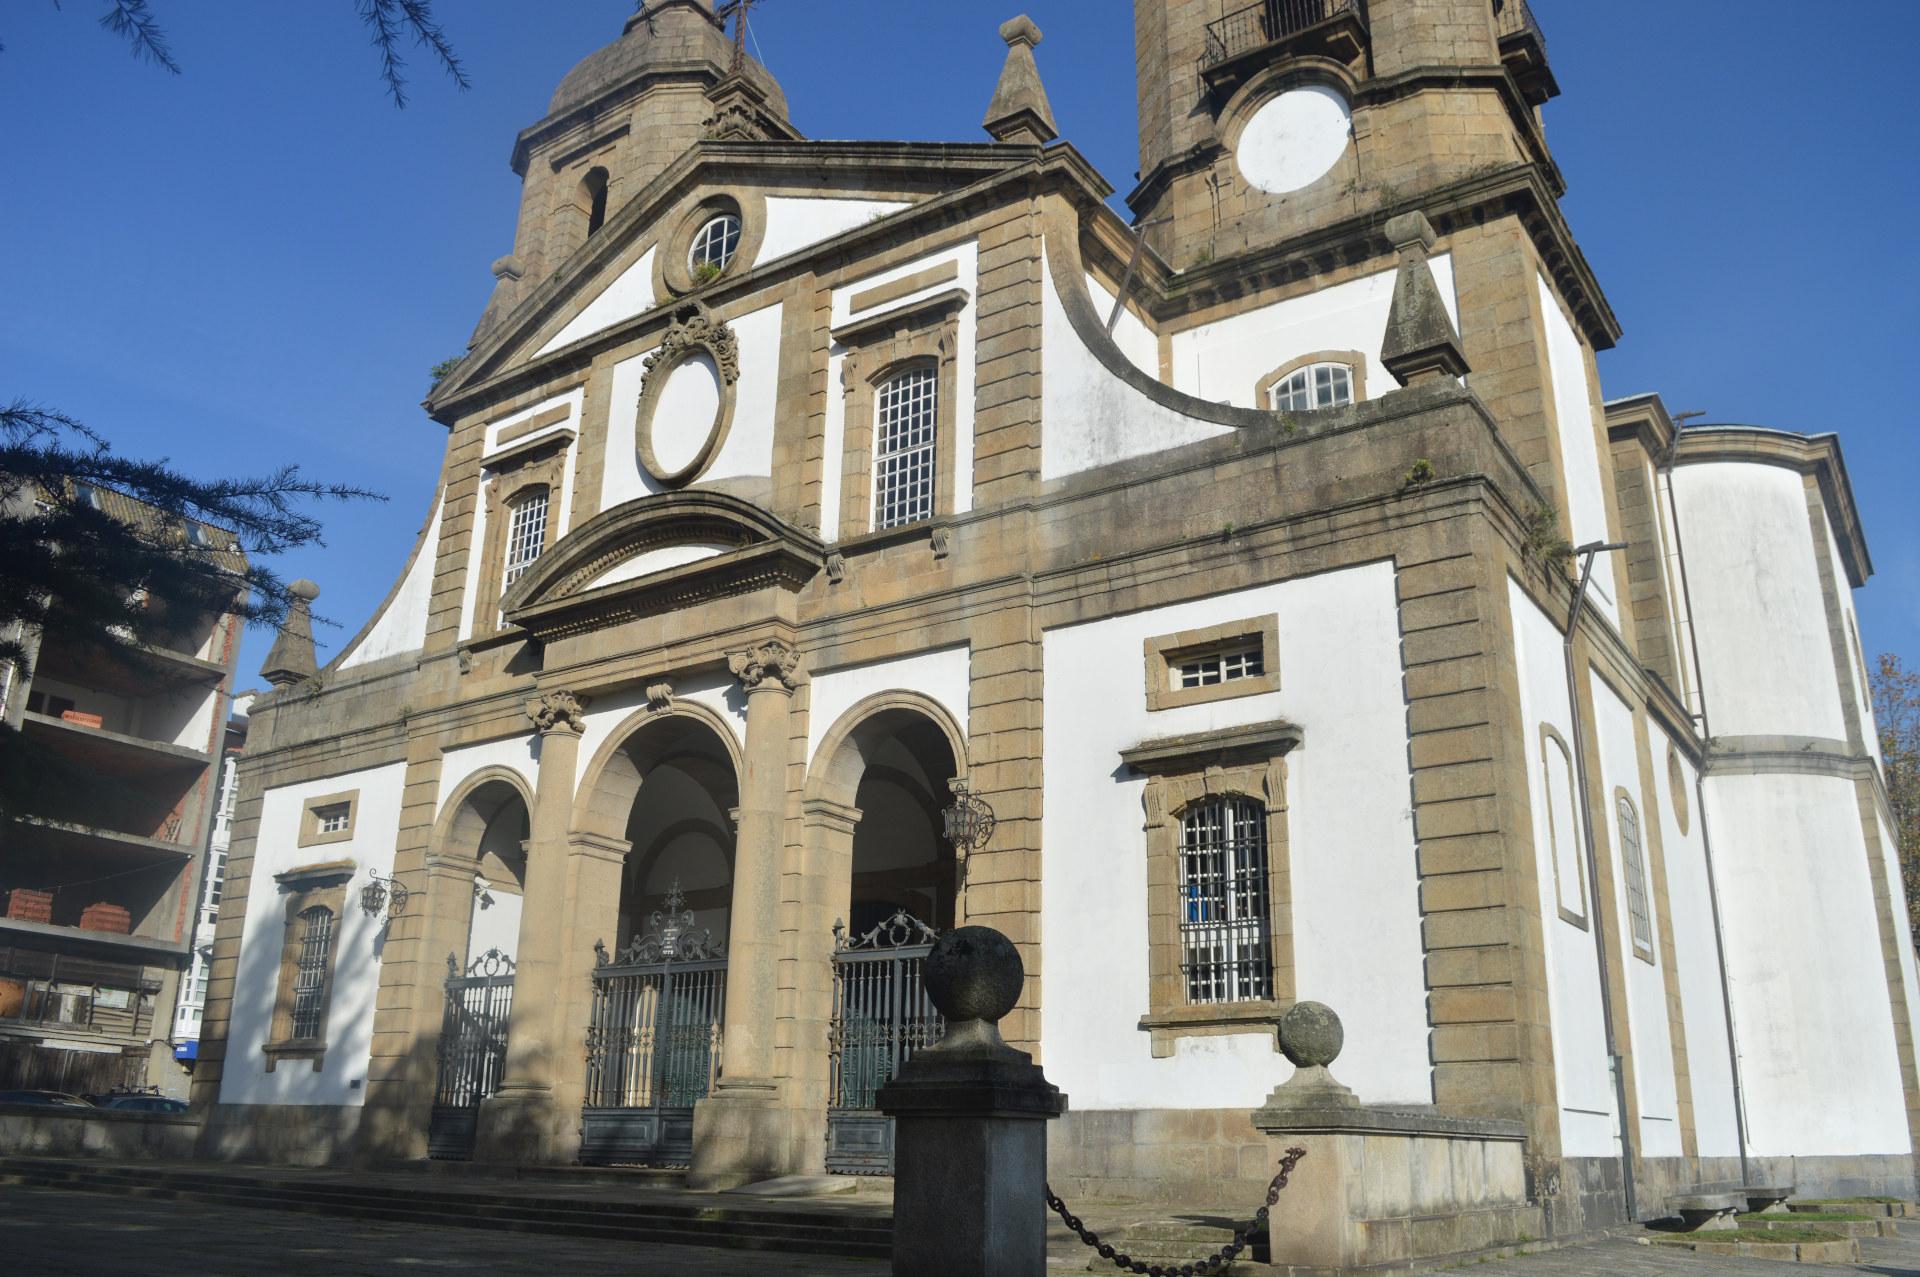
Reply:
x=970, y=1134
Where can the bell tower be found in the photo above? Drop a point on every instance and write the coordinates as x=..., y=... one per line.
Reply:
x=1265, y=120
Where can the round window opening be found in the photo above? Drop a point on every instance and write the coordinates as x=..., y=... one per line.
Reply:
x=1294, y=139
x=713, y=246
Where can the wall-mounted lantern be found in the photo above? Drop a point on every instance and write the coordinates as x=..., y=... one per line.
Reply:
x=383, y=896
x=968, y=820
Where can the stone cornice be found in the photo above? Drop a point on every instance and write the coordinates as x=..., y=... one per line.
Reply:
x=1816, y=455
x=1183, y=753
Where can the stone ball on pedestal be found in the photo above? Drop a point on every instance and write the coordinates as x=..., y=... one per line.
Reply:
x=1311, y=1035
x=974, y=973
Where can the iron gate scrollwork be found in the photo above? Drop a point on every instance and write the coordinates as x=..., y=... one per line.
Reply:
x=472, y=1051
x=881, y=1016
x=653, y=1042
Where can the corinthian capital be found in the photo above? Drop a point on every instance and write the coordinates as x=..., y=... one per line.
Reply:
x=769, y=662
x=558, y=711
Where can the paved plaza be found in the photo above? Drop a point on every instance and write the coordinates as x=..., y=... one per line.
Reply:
x=100, y=1235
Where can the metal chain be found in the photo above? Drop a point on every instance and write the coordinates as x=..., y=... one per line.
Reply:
x=1219, y=1259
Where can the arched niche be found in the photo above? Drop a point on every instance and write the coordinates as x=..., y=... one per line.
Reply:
x=482, y=832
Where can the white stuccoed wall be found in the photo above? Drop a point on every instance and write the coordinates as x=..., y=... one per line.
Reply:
x=1587, y=1114
x=1890, y=868
x=1646, y=986
x=1135, y=339
x=1697, y=955
x=797, y=222
x=1766, y=662
x=1225, y=360
x=357, y=946
x=748, y=449
x=402, y=624
x=559, y=505
x=1351, y=847
x=1579, y=446
x=966, y=259
x=1817, y=1053
x=630, y=294
x=942, y=676
x=1853, y=657
x=715, y=690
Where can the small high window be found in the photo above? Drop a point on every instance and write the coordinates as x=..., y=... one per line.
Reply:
x=1638, y=913
x=1315, y=386
x=903, y=449
x=713, y=245
x=1225, y=926
x=593, y=196
x=526, y=534
x=310, y=972
x=1210, y=669
x=331, y=819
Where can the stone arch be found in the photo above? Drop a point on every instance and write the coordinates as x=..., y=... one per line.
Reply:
x=612, y=778
x=833, y=773
x=463, y=821
x=470, y=840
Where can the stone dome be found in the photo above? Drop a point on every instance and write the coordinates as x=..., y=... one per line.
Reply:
x=672, y=35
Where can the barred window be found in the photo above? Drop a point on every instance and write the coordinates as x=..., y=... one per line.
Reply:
x=903, y=458
x=310, y=973
x=526, y=533
x=1315, y=386
x=1637, y=911
x=1210, y=669
x=714, y=244
x=1225, y=928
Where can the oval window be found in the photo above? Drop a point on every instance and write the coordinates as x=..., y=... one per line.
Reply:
x=713, y=246
x=681, y=432
x=1295, y=139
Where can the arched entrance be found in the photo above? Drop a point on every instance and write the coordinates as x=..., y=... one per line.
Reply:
x=659, y=996
x=889, y=768
x=478, y=881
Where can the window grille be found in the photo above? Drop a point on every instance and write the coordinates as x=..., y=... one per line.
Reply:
x=310, y=974
x=332, y=819
x=1315, y=386
x=526, y=534
x=1213, y=668
x=1637, y=912
x=903, y=449
x=714, y=243
x=1225, y=928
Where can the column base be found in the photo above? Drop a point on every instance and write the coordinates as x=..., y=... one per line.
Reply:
x=744, y=1132
x=525, y=1127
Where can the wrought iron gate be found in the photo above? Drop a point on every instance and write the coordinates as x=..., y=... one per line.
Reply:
x=653, y=1043
x=472, y=1051
x=881, y=1016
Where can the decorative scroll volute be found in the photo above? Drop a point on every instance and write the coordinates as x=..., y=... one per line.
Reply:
x=558, y=711
x=770, y=662
x=693, y=328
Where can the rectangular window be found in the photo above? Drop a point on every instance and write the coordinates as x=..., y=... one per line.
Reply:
x=310, y=972
x=1638, y=913
x=324, y=818
x=1225, y=940
x=903, y=449
x=1210, y=669
x=526, y=535
x=332, y=819
x=1240, y=658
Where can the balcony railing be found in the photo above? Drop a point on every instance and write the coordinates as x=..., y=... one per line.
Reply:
x=1523, y=50
x=1272, y=21
x=1515, y=18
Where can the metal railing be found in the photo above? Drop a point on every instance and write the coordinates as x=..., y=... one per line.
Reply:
x=472, y=1053
x=1515, y=17
x=654, y=1038
x=1270, y=20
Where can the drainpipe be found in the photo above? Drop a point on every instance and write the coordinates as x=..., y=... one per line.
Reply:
x=1706, y=837
x=1614, y=1062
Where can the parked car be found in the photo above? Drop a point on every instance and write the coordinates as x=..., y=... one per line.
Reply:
x=144, y=1104
x=52, y=1099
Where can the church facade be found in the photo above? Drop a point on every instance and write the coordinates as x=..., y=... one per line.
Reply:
x=838, y=542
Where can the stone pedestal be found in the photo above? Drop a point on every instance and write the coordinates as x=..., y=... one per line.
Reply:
x=970, y=1142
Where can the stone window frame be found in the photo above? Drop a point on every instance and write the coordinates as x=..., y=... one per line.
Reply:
x=673, y=273
x=311, y=835
x=1633, y=872
x=1165, y=652
x=1245, y=762
x=1574, y=917
x=1677, y=785
x=322, y=886
x=1355, y=361
x=924, y=334
x=540, y=463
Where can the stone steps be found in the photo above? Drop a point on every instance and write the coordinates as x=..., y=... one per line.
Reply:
x=658, y=1217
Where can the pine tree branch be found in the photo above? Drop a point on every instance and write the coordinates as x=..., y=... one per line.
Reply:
x=134, y=21
x=391, y=21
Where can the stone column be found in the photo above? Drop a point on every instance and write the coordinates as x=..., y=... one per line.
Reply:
x=742, y=1132
x=971, y=1113
x=522, y=1122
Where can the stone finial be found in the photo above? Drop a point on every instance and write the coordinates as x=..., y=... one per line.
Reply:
x=974, y=976
x=1421, y=343
x=1019, y=111
x=558, y=711
x=291, y=659
x=1311, y=1036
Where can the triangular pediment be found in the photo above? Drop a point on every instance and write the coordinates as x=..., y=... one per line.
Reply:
x=659, y=554
x=795, y=196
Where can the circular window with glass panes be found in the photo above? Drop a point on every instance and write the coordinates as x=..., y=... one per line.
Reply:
x=713, y=246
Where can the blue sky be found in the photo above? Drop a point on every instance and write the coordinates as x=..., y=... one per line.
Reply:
x=258, y=260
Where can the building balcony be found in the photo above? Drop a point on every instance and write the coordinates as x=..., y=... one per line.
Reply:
x=1253, y=37
x=1523, y=50
x=139, y=674
x=110, y=753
